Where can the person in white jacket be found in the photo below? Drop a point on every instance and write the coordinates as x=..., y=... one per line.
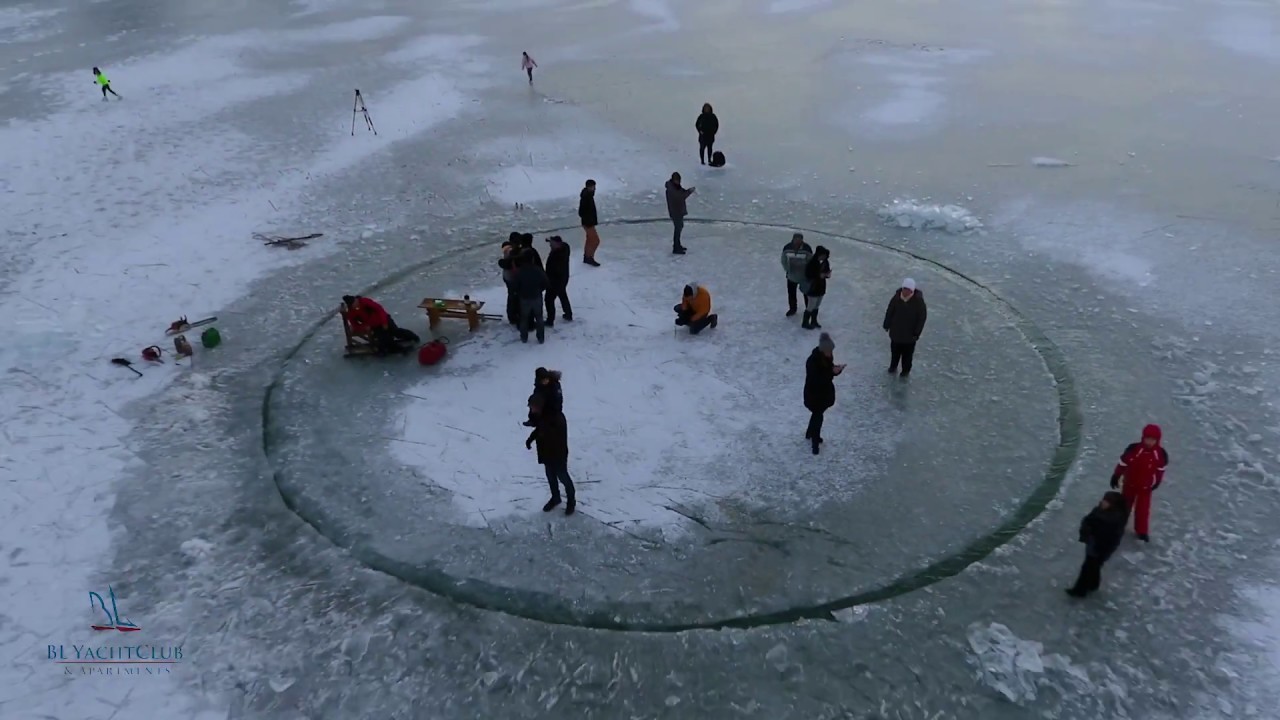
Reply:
x=527, y=64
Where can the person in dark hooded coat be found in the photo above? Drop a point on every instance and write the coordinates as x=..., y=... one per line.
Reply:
x=820, y=371
x=1100, y=531
x=816, y=274
x=904, y=321
x=552, y=436
x=677, y=209
x=547, y=395
x=530, y=283
x=558, y=279
x=707, y=126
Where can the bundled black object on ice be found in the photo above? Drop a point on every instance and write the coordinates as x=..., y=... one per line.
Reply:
x=717, y=159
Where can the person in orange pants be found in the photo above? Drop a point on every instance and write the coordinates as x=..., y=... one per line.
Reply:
x=1142, y=467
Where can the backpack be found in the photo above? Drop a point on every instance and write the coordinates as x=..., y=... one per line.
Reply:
x=717, y=159
x=211, y=338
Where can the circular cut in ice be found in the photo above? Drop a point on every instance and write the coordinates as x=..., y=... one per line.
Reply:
x=699, y=501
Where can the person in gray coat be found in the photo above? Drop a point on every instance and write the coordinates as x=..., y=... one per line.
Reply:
x=530, y=284
x=795, y=256
x=677, y=209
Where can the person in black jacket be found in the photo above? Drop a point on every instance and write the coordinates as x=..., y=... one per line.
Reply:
x=677, y=208
x=507, y=262
x=815, y=278
x=904, y=321
x=707, y=126
x=587, y=214
x=552, y=436
x=1101, y=531
x=820, y=371
x=530, y=283
x=558, y=279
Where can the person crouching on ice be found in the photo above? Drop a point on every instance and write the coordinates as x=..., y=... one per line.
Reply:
x=368, y=318
x=547, y=397
x=694, y=310
x=1142, y=467
x=1100, y=531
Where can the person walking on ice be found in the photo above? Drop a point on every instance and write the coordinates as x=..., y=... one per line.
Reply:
x=105, y=83
x=527, y=64
x=587, y=214
x=552, y=436
x=1100, y=531
x=1141, y=467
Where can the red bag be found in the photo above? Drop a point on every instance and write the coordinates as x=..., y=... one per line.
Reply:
x=431, y=353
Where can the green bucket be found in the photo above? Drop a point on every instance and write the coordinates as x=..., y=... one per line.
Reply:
x=211, y=338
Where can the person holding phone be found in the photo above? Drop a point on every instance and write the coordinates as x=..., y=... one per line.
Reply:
x=820, y=372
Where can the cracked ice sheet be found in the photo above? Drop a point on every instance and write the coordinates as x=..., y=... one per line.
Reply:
x=129, y=219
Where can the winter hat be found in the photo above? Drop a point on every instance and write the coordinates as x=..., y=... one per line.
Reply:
x=909, y=284
x=555, y=238
x=540, y=374
x=348, y=300
x=825, y=343
x=688, y=290
x=1151, y=431
x=821, y=251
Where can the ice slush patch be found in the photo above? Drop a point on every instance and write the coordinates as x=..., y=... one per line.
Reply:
x=911, y=214
x=779, y=7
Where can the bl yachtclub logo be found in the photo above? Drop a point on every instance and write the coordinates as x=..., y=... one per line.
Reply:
x=141, y=659
x=113, y=615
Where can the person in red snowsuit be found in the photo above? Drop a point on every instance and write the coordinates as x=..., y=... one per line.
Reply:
x=1142, y=467
x=370, y=319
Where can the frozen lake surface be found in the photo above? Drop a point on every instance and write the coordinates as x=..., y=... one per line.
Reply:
x=1085, y=192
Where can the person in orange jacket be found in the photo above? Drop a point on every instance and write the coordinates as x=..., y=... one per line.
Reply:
x=694, y=310
x=1141, y=467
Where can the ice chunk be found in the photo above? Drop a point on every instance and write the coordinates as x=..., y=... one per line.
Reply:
x=777, y=657
x=195, y=548
x=366, y=234
x=1049, y=162
x=929, y=216
x=1009, y=664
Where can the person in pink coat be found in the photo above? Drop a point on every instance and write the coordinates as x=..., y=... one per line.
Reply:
x=527, y=64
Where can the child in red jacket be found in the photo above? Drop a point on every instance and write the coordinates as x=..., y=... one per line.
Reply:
x=1142, y=467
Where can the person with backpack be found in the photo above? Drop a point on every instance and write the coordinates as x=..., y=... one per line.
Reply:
x=816, y=273
x=527, y=64
x=707, y=126
x=102, y=80
x=820, y=371
x=558, y=279
x=904, y=321
x=795, y=257
x=1100, y=531
x=587, y=214
x=1142, y=468
x=677, y=209
x=552, y=436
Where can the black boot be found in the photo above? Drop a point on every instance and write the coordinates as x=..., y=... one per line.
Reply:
x=815, y=442
x=804, y=320
x=678, y=250
x=1075, y=593
x=791, y=312
x=813, y=321
x=570, y=507
x=551, y=504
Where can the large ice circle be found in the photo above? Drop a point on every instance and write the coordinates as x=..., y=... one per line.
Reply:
x=700, y=504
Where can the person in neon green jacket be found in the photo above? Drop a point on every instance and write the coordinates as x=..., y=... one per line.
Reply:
x=104, y=82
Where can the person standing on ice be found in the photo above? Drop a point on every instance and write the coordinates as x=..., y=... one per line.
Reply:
x=1100, y=531
x=816, y=273
x=527, y=64
x=531, y=282
x=707, y=126
x=820, y=371
x=795, y=257
x=677, y=209
x=102, y=80
x=507, y=262
x=558, y=279
x=904, y=321
x=1141, y=467
x=547, y=396
x=587, y=214
x=694, y=310
x=552, y=436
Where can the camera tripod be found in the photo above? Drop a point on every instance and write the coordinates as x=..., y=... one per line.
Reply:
x=358, y=107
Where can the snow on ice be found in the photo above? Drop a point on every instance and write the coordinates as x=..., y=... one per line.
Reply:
x=621, y=413
x=929, y=216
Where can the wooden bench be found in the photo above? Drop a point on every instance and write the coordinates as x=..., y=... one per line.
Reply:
x=469, y=310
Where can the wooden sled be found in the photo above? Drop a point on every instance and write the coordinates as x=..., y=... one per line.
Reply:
x=359, y=344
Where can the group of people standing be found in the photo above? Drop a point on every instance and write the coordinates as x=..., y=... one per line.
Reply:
x=533, y=286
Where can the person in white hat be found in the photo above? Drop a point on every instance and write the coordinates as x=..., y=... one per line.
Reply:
x=904, y=321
